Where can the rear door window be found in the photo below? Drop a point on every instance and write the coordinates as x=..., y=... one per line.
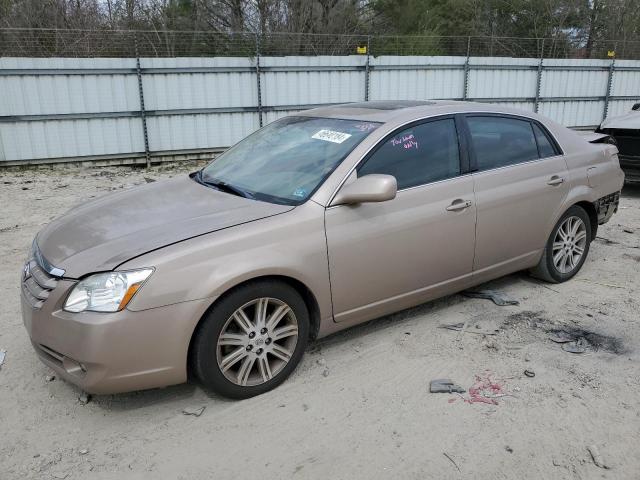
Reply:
x=501, y=141
x=545, y=147
x=421, y=154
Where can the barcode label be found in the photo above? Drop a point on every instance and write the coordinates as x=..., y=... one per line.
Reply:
x=331, y=136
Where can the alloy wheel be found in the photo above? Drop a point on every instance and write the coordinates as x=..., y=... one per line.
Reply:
x=257, y=341
x=569, y=244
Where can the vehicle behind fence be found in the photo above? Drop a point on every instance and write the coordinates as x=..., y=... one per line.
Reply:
x=125, y=96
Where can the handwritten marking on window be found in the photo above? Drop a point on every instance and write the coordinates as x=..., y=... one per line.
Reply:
x=406, y=141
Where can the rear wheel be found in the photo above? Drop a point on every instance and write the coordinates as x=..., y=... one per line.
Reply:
x=567, y=247
x=251, y=340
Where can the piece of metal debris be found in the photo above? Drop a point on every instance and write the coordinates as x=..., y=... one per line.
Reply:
x=196, y=412
x=3, y=354
x=49, y=378
x=498, y=298
x=84, y=398
x=561, y=337
x=83, y=451
x=444, y=385
x=579, y=346
x=529, y=373
x=478, y=330
x=597, y=458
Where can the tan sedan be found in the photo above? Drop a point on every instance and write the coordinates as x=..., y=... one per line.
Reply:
x=317, y=222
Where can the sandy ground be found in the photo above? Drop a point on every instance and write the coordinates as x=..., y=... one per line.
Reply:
x=358, y=406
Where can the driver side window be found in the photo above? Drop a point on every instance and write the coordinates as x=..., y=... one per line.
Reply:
x=418, y=155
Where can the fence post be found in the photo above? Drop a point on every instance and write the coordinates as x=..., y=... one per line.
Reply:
x=258, y=79
x=612, y=68
x=539, y=78
x=143, y=115
x=367, y=70
x=465, y=86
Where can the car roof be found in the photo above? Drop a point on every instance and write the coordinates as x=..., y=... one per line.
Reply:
x=391, y=111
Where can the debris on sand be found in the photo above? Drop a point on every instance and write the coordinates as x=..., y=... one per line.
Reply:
x=451, y=460
x=579, y=346
x=195, y=411
x=597, y=458
x=526, y=318
x=445, y=385
x=458, y=327
x=496, y=297
x=561, y=336
x=484, y=390
x=610, y=285
x=3, y=354
x=84, y=398
x=578, y=340
x=529, y=373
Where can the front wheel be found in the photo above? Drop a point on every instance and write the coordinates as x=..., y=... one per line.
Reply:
x=567, y=247
x=251, y=340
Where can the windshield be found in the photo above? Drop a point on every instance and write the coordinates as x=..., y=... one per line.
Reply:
x=286, y=161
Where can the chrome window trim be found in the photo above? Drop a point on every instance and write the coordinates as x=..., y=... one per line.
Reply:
x=434, y=116
x=44, y=263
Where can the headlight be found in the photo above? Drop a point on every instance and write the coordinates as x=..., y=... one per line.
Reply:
x=106, y=292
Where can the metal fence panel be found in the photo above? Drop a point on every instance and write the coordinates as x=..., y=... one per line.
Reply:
x=574, y=113
x=70, y=138
x=403, y=77
x=200, y=131
x=39, y=89
x=500, y=77
x=293, y=80
x=74, y=108
x=194, y=83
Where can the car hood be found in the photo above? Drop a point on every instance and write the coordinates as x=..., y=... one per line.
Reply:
x=102, y=234
x=630, y=120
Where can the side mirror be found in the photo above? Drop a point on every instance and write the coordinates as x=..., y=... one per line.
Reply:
x=636, y=106
x=370, y=188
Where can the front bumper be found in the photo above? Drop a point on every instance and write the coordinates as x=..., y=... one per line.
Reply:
x=106, y=353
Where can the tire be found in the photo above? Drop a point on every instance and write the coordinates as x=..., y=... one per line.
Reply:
x=238, y=353
x=547, y=269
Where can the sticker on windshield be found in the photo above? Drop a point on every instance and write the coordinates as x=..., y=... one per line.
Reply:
x=331, y=136
x=300, y=193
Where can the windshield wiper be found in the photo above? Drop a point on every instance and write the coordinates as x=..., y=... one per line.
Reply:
x=223, y=186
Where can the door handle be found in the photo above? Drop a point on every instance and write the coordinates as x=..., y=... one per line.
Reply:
x=555, y=180
x=458, y=205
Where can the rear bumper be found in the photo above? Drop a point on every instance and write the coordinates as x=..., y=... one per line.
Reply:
x=106, y=353
x=606, y=207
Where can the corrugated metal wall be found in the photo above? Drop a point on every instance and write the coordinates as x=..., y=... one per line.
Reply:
x=68, y=108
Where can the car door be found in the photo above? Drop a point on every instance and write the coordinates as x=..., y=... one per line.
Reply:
x=520, y=185
x=391, y=255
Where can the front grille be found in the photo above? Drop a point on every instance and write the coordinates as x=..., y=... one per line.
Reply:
x=37, y=284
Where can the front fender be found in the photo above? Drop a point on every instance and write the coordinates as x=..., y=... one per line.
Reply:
x=291, y=244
